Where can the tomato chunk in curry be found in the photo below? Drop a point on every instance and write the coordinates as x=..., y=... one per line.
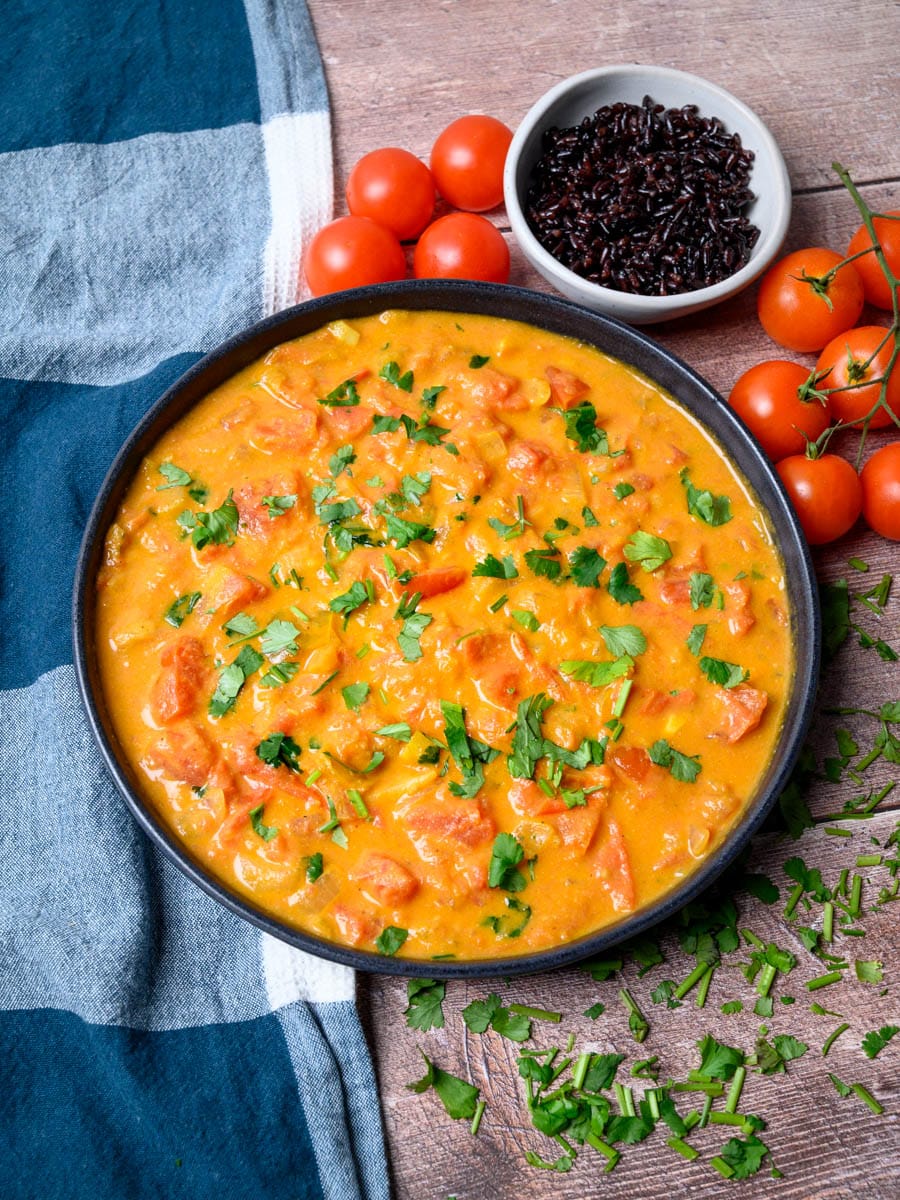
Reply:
x=441, y=635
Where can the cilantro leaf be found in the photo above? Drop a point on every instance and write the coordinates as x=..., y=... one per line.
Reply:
x=410, y=633
x=696, y=638
x=744, y=1157
x=467, y=752
x=714, y=510
x=683, y=767
x=266, y=832
x=582, y=428
x=341, y=460
x=623, y=639
x=726, y=674
x=459, y=1098
x=315, y=865
x=232, y=678
x=390, y=940
x=503, y=872
x=277, y=506
x=602, y=1068
x=279, y=637
x=597, y=674
x=718, y=1061
x=383, y=424
x=648, y=550
x=479, y=360
x=702, y=590
x=494, y=568
x=586, y=565
x=876, y=1040
x=355, y=695
x=526, y=619
x=241, y=626
x=345, y=395
x=280, y=749
x=217, y=527
x=515, y=528
x=400, y=731
x=356, y=595
x=528, y=740
x=174, y=477
x=481, y=1015
x=279, y=673
x=430, y=435
x=621, y=490
x=544, y=563
x=424, y=1009
x=414, y=487
x=181, y=608
x=390, y=373
x=403, y=532
x=620, y=587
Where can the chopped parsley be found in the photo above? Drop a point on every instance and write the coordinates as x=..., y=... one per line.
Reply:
x=714, y=510
x=345, y=395
x=181, y=608
x=648, y=550
x=683, y=767
x=279, y=749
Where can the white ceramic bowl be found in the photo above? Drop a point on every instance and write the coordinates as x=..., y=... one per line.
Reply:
x=580, y=96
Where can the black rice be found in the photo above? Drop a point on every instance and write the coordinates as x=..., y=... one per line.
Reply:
x=644, y=199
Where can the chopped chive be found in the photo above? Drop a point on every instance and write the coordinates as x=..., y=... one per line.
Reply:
x=870, y=860
x=476, y=1120
x=536, y=1014
x=836, y=831
x=867, y=1098
x=498, y=604
x=726, y=1118
x=858, y=565
x=711, y=1089
x=313, y=776
x=683, y=1148
x=821, y=981
x=324, y=684
x=621, y=699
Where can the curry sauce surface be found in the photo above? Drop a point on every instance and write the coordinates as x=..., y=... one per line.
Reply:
x=444, y=635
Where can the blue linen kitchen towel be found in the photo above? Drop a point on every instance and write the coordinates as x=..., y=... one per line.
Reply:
x=161, y=166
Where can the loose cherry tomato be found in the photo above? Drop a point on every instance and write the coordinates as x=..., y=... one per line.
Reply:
x=462, y=246
x=767, y=399
x=467, y=162
x=856, y=357
x=802, y=305
x=825, y=492
x=352, y=252
x=394, y=188
x=888, y=234
x=880, y=479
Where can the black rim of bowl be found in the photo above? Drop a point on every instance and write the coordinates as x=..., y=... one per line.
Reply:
x=558, y=316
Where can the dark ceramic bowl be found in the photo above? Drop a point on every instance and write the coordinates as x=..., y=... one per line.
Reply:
x=559, y=316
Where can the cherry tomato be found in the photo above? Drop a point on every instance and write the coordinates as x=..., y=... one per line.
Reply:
x=874, y=282
x=467, y=162
x=825, y=492
x=798, y=310
x=394, y=188
x=880, y=479
x=767, y=399
x=462, y=246
x=352, y=252
x=846, y=359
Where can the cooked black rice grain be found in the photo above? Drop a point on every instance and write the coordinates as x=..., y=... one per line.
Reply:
x=644, y=199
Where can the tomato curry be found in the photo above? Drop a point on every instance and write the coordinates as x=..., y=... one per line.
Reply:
x=443, y=636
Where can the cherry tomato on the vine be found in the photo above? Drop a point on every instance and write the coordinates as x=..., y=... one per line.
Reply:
x=859, y=357
x=352, y=252
x=869, y=269
x=394, y=188
x=825, y=492
x=462, y=246
x=467, y=162
x=802, y=306
x=767, y=399
x=880, y=479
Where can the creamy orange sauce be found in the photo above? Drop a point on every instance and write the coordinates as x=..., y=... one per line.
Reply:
x=400, y=629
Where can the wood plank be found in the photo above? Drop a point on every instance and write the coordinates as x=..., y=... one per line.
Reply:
x=822, y=75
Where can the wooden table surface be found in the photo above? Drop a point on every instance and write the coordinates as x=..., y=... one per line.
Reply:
x=824, y=77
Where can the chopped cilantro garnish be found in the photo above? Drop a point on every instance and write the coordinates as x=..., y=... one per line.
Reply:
x=590, y=521
x=620, y=587
x=726, y=674
x=623, y=639
x=279, y=637
x=875, y=1041
x=279, y=673
x=683, y=767
x=503, y=872
x=400, y=731
x=217, y=527
x=544, y=563
x=181, y=608
x=355, y=695
x=341, y=460
x=414, y=487
x=430, y=395
x=241, y=626
x=409, y=636
x=469, y=754
x=232, y=678
x=424, y=431
x=356, y=595
x=582, y=428
x=597, y=674
x=515, y=528
x=390, y=940
x=174, y=477
x=621, y=490
x=277, y=506
x=459, y=1098
x=528, y=739
x=696, y=638
x=586, y=566
x=494, y=568
x=390, y=373
x=702, y=590
x=333, y=826
x=383, y=424
x=714, y=510
x=402, y=532
x=314, y=867
x=279, y=749
x=648, y=550
x=424, y=1009
x=479, y=360
x=481, y=1015
x=266, y=832
x=345, y=395
x=526, y=619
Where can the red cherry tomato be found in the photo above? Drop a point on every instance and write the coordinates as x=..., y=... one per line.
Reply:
x=767, y=399
x=802, y=306
x=352, y=252
x=462, y=246
x=394, y=188
x=467, y=162
x=888, y=233
x=825, y=492
x=859, y=356
x=880, y=479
